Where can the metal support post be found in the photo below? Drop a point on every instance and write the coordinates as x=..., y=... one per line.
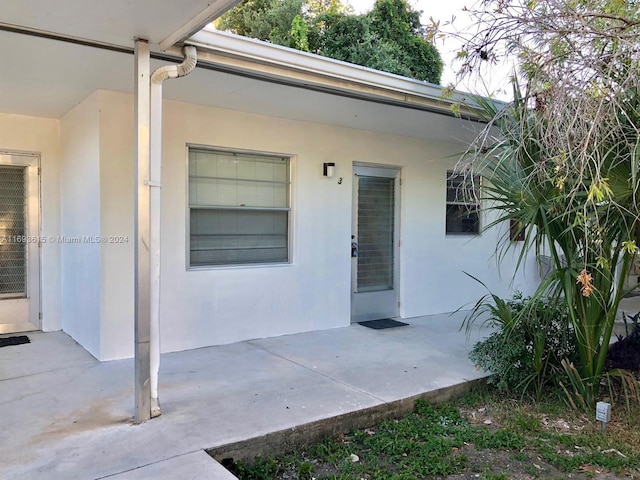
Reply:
x=141, y=231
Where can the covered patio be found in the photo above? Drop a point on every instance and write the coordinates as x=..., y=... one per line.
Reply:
x=76, y=103
x=66, y=415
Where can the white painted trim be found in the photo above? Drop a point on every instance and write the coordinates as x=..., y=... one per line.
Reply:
x=21, y=153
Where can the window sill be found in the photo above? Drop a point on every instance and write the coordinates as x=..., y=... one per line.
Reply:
x=200, y=268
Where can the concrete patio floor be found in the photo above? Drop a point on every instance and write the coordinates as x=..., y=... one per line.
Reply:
x=64, y=415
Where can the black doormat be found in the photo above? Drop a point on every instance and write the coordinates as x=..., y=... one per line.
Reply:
x=19, y=340
x=382, y=323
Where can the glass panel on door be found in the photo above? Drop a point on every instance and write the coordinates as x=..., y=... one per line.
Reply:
x=12, y=231
x=375, y=233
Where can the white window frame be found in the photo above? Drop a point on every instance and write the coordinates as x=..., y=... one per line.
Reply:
x=189, y=207
x=463, y=202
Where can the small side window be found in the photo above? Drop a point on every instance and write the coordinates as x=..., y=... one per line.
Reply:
x=463, y=209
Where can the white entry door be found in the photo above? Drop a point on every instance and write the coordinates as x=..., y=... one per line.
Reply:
x=374, y=266
x=19, y=243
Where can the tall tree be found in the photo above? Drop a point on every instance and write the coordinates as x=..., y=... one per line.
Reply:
x=332, y=7
x=389, y=38
x=268, y=20
x=398, y=24
x=351, y=38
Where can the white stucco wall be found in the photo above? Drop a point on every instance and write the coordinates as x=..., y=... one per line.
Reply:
x=116, y=224
x=41, y=135
x=97, y=202
x=230, y=304
x=223, y=305
x=433, y=263
x=80, y=218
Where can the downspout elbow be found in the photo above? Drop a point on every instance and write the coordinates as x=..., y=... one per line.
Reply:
x=174, y=71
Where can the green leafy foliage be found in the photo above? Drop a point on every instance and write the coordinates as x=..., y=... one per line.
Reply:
x=396, y=23
x=562, y=159
x=532, y=338
x=260, y=469
x=271, y=20
x=244, y=19
x=388, y=38
x=351, y=38
x=300, y=34
x=580, y=213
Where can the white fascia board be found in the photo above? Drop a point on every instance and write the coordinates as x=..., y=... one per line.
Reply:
x=209, y=14
x=336, y=73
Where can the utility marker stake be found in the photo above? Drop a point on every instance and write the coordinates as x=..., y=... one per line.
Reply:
x=603, y=415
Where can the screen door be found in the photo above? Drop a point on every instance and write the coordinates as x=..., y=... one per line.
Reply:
x=374, y=243
x=19, y=244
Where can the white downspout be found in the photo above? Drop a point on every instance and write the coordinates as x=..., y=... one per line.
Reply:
x=155, y=176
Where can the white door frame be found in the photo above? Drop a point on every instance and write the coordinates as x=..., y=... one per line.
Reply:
x=23, y=314
x=357, y=299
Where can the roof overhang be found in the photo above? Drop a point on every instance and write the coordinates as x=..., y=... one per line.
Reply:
x=51, y=73
x=115, y=22
x=275, y=63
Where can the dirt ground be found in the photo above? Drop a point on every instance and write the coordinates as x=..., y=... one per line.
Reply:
x=496, y=462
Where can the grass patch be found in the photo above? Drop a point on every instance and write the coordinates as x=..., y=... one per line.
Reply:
x=480, y=434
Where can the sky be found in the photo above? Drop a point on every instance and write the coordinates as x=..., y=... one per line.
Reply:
x=494, y=81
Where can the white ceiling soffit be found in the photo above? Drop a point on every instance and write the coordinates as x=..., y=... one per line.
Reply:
x=48, y=78
x=273, y=99
x=114, y=22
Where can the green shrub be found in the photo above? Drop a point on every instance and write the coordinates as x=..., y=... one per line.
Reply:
x=533, y=336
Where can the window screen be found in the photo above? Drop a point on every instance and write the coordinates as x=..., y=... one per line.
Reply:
x=13, y=228
x=375, y=233
x=238, y=207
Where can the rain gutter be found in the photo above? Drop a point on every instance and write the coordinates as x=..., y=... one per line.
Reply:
x=265, y=61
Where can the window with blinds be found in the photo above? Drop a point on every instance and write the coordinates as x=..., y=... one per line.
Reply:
x=463, y=209
x=239, y=208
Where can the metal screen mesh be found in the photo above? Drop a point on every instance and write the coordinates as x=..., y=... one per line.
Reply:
x=375, y=233
x=12, y=231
